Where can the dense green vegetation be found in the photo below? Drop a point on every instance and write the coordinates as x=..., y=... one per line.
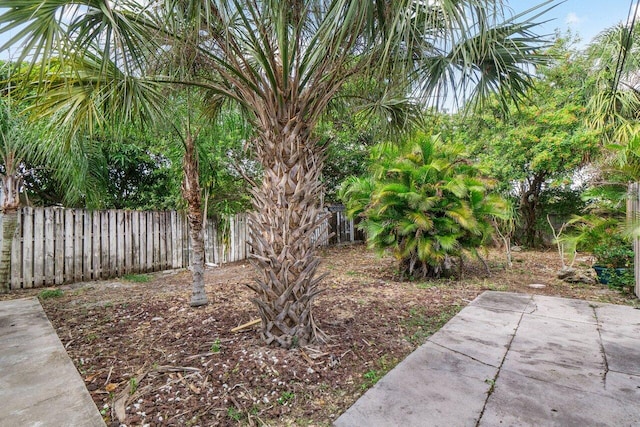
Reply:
x=272, y=113
x=426, y=202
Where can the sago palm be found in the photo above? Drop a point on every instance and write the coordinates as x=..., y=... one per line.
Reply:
x=283, y=62
x=426, y=203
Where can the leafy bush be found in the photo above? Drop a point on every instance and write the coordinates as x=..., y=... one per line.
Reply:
x=614, y=252
x=426, y=202
x=50, y=293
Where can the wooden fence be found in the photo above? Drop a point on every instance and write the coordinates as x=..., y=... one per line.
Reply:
x=52, y=246
x=633, y=215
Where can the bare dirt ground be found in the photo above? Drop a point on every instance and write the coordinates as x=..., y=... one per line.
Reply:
x=147, y=358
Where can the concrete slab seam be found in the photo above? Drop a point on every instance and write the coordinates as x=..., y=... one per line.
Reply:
x=601, y=344
x=534, y=307
x=495, y=379
x=462, y=354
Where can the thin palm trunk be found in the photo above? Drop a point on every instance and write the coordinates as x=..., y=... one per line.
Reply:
x=9, y=227
x=10, y=206
x=191, y=193
x=287, y=214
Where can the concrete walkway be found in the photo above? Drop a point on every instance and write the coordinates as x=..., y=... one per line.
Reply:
x=39, y=385
x=515, y=360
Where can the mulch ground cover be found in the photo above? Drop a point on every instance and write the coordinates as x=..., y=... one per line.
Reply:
x=147, y=358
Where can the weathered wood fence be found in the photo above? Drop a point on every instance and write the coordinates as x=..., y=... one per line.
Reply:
x=633, y=215
x=52, y=246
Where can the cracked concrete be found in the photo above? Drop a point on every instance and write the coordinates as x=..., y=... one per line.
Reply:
x=515, y=359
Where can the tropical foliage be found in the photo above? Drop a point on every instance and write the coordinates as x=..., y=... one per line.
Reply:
x=426, y=202
x=282, y=63
x=614, y=88
x=537, y=150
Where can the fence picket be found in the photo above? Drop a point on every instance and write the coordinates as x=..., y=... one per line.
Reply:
x=49, y=247
x=135, y=241
x=58, y=215
x=104, y=245
x=77, y=245
x=126, y=236
x=38, y=245
x=87, y=249
x=175, y=240
x=162, y=240
x=149, y=226
x=95, y=244
x=27, y=249
x=16, y=255
x=120, y=236
x=113, y=244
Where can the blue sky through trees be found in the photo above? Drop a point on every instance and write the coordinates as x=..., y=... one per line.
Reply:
x=584, y=17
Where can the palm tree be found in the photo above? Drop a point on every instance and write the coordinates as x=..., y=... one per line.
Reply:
x=25, y=142
x=14, y=150
x=283, y=62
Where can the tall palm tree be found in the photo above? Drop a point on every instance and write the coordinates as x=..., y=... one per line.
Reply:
x=283, y=62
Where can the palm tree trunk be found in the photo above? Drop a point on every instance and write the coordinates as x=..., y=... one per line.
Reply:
x=191, y=193
x=10, y=206
x=286, y=215
x=9, y=226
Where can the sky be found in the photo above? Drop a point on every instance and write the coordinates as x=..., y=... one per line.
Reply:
x=586, y=18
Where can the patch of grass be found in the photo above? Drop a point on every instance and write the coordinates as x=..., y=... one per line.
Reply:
x=433, y=285
x=50, y=293
x=352, y=273
x=286, y=397
x=495, y=287
x=137, y=278
x=421, y=325
x=133, y=385
x=105, y=410
x=371, y=377
x=234, y=414
x=382, y=366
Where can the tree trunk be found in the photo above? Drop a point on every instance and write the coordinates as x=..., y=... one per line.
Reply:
x=10, y=205
x=191, y=193
x=529, y=202
x=9, y=226
x=286, y=215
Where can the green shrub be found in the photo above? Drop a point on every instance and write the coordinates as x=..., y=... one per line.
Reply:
x=137, y=278
x=426, y=203
x=614, y=251
x=50, y=293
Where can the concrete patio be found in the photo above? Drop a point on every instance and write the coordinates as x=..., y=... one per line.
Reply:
x=515, y=360
x=506, y=359
x=39, y=385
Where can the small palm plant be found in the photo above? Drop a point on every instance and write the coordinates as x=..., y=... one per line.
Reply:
x=426, y=202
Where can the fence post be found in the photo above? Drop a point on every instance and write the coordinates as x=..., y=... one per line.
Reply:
x=633, y=208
